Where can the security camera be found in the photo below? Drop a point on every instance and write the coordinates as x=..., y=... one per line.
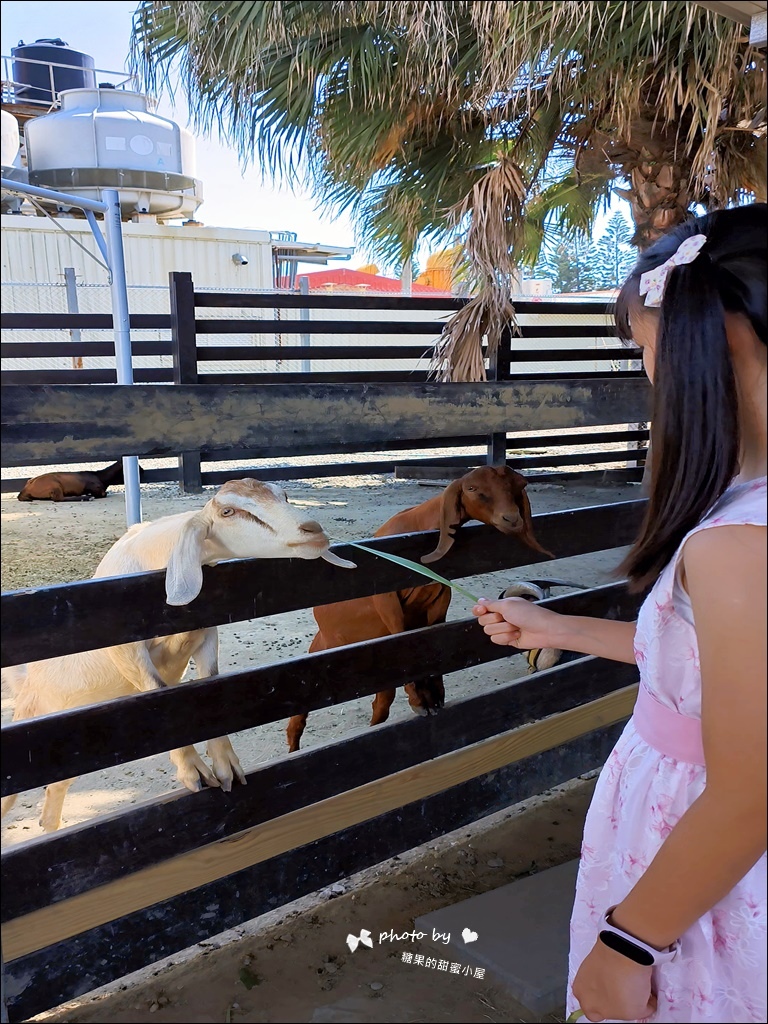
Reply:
x=239, y=260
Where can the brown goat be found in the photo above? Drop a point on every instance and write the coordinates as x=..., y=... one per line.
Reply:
x=82, y=486
x=494, y=495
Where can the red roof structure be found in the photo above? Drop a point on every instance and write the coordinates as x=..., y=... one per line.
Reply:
x=356, y=282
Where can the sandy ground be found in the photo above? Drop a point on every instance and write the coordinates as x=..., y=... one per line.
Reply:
x=45, y=543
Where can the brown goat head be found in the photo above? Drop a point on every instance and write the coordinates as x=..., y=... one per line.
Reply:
x=494, y=495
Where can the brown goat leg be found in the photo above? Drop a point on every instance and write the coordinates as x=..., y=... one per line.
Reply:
x=295, y=730
x=298, y=723
x=382, y=702
x=427, y=696
x=56, y=493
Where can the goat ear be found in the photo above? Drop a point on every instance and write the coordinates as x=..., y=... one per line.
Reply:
x=450, y=520
x=184, y=575
x=526, y=535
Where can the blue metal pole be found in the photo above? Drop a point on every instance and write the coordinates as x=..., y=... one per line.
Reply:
x=114, y=235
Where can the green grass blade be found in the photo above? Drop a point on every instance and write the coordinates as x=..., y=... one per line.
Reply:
x=421, y=569
x=575, y=1016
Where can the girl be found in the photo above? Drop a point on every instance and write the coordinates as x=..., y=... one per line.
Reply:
x=669, y=922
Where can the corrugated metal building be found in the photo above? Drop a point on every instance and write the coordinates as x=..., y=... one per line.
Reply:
x=36, y=251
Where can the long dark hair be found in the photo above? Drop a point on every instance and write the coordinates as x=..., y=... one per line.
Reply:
x=695, y=425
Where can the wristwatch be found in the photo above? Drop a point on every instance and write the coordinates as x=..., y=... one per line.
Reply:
x=633, y=948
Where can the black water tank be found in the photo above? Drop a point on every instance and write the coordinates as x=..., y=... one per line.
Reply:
x=35, y=79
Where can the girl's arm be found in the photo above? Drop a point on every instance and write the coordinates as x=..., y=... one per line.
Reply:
x=603, y=638
x=515, y=622
x=723, y=833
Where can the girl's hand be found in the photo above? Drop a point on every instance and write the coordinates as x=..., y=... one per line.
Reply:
x=609, y=986
x=515, y=622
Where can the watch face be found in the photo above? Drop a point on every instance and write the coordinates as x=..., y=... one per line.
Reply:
x=627, y=948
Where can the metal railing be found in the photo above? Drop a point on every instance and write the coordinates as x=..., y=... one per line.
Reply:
x=10, y=87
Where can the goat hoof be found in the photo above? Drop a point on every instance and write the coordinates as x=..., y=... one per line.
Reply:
x=421, y=712
x=227, y=769
x=194, y=773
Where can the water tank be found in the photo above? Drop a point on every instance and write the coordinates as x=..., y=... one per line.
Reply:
x=10, y=157
x=10, y=146
x=38, y=83
x=108, y=138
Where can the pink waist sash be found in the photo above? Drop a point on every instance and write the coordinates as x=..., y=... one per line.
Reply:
x=667, y=731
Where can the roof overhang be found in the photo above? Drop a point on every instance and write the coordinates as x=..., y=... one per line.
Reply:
x=309, y=252
x=751, y=13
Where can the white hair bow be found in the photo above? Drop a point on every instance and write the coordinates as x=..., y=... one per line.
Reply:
x=653, y=282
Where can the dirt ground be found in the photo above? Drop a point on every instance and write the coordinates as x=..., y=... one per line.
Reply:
x=293, y=965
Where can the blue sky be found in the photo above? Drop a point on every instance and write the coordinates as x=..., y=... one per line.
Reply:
x=232, y=198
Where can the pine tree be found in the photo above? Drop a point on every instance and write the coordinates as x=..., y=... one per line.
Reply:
x=614, y=254
x=567, y=262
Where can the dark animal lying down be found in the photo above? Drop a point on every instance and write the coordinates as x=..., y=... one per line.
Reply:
x=73, y=486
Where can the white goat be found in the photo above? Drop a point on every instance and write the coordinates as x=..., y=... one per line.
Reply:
x=245, y=519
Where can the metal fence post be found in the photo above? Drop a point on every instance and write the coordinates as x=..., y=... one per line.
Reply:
x=122, y=325
x=498, y=370
x=184, y=348
x=70, y=285
x=305, y=339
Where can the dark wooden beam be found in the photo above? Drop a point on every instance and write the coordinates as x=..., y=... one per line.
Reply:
x=71, y=968
x=96, y=613
x=43, y=750
x=63, y=424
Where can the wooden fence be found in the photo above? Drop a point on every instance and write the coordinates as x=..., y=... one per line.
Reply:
x=536, y=345
x=93, y=903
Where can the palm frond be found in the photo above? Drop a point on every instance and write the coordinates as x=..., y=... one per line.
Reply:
x=483, y=122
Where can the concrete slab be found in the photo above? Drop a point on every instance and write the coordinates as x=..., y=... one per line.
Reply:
x=522, y=934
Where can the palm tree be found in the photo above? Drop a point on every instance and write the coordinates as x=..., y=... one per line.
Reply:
x=483, y=122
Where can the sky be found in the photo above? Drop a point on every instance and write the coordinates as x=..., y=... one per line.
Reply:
x=233, y=198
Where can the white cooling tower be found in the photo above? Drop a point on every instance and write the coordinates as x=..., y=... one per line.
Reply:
x=108, y=138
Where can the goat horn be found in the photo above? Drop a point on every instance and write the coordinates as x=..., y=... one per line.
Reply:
x=524, y=590
x=558, y=583
x=541, y=658
x=334, y=559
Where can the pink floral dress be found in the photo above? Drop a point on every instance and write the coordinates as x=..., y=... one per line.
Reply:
x=720, y=974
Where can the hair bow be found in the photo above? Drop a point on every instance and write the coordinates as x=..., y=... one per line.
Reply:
x=364, y=938
x=653, y=282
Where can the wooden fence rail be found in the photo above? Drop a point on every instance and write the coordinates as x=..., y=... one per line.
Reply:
x=127, y=889
x=73, y=967
x=90, y=904
x=73, y=860
x=191, y=361
x=82, y=616
x=41, y=422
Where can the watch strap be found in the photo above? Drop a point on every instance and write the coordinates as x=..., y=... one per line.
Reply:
x=631, y=947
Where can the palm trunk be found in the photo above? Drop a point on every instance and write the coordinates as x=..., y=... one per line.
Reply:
x=659, y=198
x=660, y=195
